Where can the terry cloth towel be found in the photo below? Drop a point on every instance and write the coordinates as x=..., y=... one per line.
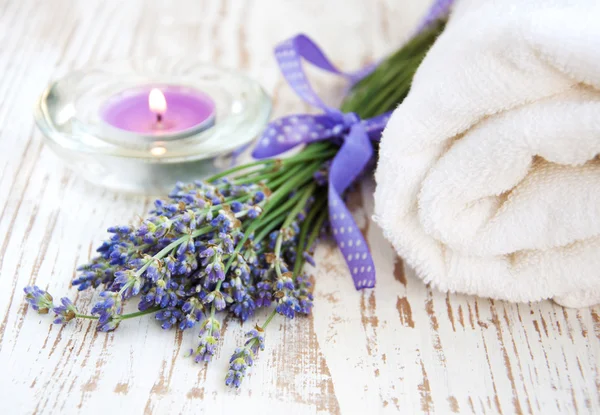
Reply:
x=488, y=180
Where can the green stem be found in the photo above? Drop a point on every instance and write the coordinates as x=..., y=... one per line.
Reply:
x=253, y=173
x=273, y=223
x=124, y=316
x=317, y=228
x=293, y=183
x=261, y=328
x=258, y=178
x=290, y=172
x=308, y=223
x=140, y=313
x=268, y=320
x=278, y=243
x=299, y=206
x=306, y=194
x=323, y=153
x=86, y=316
x=239, y=168
x=401, y=64
x=284, y=207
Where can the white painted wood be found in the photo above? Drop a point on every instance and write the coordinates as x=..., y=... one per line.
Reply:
x=397, y=348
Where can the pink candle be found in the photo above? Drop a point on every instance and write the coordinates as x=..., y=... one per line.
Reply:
x=161, y=111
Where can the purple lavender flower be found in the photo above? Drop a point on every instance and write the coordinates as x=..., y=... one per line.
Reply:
x=108, y=311
x=194, y=311
x=238, y=366
x=65, y=312
x=243, y=358
x=166, y=293
x=38, y=299
x=215, y=272
x=308, y=258
x=122, y=230
x=287, y=305
x=259, y=197
x=154, y=270
x=256, y=339
x=285, y=282
x=129, y=283
x=226, y=242
x=93, y=275
x=236, y=207
x=264, y=294
x=192, y=257
x=186, y=263
x=169, y=317
x=209, y=337
x=243, y=305
x=219, y=299
x=254, y=211
x=303, y=294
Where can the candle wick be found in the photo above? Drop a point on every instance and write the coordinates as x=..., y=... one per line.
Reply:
x=158, y=117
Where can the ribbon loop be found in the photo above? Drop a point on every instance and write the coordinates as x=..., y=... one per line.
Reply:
x=289, y=56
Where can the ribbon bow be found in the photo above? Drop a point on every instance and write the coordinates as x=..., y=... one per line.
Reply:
x=353, y=156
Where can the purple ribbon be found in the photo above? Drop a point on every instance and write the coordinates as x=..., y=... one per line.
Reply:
x=355, y=152
x=352, y=158
x=438, y=9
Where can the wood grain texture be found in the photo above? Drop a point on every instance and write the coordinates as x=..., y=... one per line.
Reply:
x=398, y=348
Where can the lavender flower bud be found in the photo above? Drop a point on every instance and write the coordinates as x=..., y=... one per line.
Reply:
x=40, y=300
x=65, y=312
x=243, y=358
x=108, y=311
x=129, y=283
x=243, y=305
x=308, y=258
x=219, y=299
x=254, y=212
x=259, y=197
x=209, y=335
x=236, y=207
x=169, y=317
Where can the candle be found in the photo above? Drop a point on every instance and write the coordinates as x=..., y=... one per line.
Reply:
x=140, y=125
x=161, y=111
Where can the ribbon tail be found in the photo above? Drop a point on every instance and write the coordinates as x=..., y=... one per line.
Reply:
x=351, y=243
x=349, y=162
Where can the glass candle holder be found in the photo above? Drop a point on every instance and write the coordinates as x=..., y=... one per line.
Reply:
x=99, y=121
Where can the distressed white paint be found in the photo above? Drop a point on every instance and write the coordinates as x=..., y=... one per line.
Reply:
x=399, y=347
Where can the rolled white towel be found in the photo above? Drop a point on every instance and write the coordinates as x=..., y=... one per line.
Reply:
x=488, y=180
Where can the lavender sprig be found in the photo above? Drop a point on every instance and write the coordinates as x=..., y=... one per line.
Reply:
x=209, y=336
x=38, y=299
x=65, y=312
x=243, y=357
x=221, y=245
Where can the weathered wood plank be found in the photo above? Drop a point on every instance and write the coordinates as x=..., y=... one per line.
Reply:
x=400, y=347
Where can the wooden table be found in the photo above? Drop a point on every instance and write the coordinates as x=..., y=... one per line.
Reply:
x=398, y=348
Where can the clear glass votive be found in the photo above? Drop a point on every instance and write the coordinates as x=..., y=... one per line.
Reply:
x=77, y=116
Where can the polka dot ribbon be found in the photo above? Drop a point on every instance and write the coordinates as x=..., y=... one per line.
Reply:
x=356, y=135
x=353, y=156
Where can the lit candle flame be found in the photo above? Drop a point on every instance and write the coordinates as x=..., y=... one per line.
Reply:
x=157, y=102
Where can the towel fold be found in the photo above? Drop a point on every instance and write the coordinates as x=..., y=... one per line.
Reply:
x=488, y=180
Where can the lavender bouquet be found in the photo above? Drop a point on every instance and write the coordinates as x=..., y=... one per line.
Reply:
x=238, y=241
